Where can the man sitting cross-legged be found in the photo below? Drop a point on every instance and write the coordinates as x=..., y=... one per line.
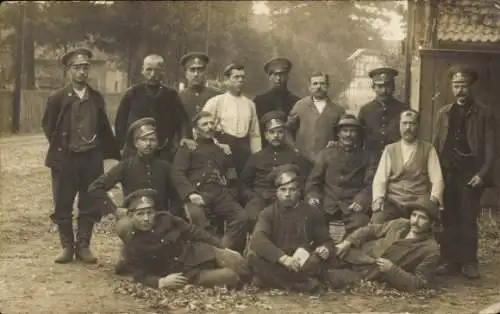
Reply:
x=290, y=245
x=401, y=252
x=164, y=251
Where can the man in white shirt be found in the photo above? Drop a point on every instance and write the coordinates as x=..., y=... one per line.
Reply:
x=408, y=171
x=236, y=117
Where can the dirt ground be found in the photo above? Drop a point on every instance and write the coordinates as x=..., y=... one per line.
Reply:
x=31, y=283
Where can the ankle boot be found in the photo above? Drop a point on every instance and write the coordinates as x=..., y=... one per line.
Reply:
x=67, y=242
x=83, y=236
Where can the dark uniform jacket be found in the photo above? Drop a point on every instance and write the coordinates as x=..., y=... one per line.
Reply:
x=171, y=246
x=340, y=178
x=281, y=231
x=56, y=125
x=274, y=99
x=207, y=165
x=381, y=123
x=165, y=107
x=254, y=177
x=136, y=173
x=415, y=260
x=194, y=101
x=480, y=135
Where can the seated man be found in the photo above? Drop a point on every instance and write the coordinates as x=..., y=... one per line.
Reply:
x=401, y=252
x=143, y=169
x=340, y=182
x=164, y=251
x=407, y=169
x=258, y=190
x=290, y=243
x=200, y=178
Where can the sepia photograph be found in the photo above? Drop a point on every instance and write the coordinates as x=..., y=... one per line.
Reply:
x=319, y=157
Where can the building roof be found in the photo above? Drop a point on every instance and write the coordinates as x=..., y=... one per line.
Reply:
x=469, y=20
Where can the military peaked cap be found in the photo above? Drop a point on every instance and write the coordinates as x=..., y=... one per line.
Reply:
x=284, y=174
x=143, y=198
x=77, y=56
x=273, y=119
x=383, y=75
x=461, y=73
x=194, y=58
x=278, y=64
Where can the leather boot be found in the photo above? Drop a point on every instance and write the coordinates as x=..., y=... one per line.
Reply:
x=83, y=236
x=67, y=242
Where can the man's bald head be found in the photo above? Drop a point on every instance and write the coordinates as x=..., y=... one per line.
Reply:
x=152, y=69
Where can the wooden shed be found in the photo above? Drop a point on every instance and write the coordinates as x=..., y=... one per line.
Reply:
x=446, y=32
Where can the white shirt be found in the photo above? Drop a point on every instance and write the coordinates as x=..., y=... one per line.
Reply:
x=381, y=178
x=80, y=93
x=236, y=116
x=320, y=104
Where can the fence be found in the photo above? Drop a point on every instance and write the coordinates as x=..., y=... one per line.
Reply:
x=33, y=106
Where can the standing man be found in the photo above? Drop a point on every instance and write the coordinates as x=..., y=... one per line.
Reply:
x=236, y=117
x=340, y=182
x=380, y=116
x=408, y=169
x=278, y=97
x=80, y=138
x=152, y=99
x=312, y=117
x=465, y=143
x=196, y=93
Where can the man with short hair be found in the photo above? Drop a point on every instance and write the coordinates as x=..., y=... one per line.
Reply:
x=311, y=119
x=380, y=116
x=196, y=93
x=153, y=99
x=258, y=190
x=236, y=117
x=465, y=142
x=291, y=244
x=201, y=177
x=340, y=182
x=401, y=252
x=163, y=251
x=80, y=138
x=408, y=169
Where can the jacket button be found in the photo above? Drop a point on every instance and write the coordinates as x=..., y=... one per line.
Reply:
x=176, y=258
x=64, y=133
x=59, y=149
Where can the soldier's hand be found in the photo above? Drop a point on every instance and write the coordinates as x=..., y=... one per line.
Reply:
x=355, y=207
x=342, y=248
x=378, y=205
x=322, y=251
x=121, y=212
x=197, y=199
x=476, y=181
x=290, y=263
x=314, y=201
x=232, y=260
x=189, y=143
x=384, y=264
x=172, y=281
x=331, y=144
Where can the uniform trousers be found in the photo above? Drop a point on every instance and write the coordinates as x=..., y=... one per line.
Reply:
x=240, y=149
x=390, y=211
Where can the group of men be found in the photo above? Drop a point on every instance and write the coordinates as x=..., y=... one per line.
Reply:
x=221, y=189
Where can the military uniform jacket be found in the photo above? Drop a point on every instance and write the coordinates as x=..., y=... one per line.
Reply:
x=165, y=107
x=57, y=127
x=171, y=246
x=340, y=178
x=275, y=99
x=194, y=101
x=136, y=173
x=381, y=123
x=254, y=177
x=193, y=171
x=281, y=231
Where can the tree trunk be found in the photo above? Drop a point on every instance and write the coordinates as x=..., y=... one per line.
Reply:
x=29, y=58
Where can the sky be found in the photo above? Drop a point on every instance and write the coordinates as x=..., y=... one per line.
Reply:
x=391, y=30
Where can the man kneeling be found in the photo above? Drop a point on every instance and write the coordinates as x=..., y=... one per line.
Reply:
x=401, y=252
x=164, y=251
x=290, y=242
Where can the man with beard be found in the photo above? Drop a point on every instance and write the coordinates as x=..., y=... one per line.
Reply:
x=340, y=182
x=201, y=177
x=258, y=190
x=152, y=99
x=465, y=143
x=278, y=97
x=80, y=137
x=402, y=252
x=311, y=119
x=196, y=93
x=236, y=118
x=165, y=252
x=284, y=228
x=380, y=116
x=408, y=169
